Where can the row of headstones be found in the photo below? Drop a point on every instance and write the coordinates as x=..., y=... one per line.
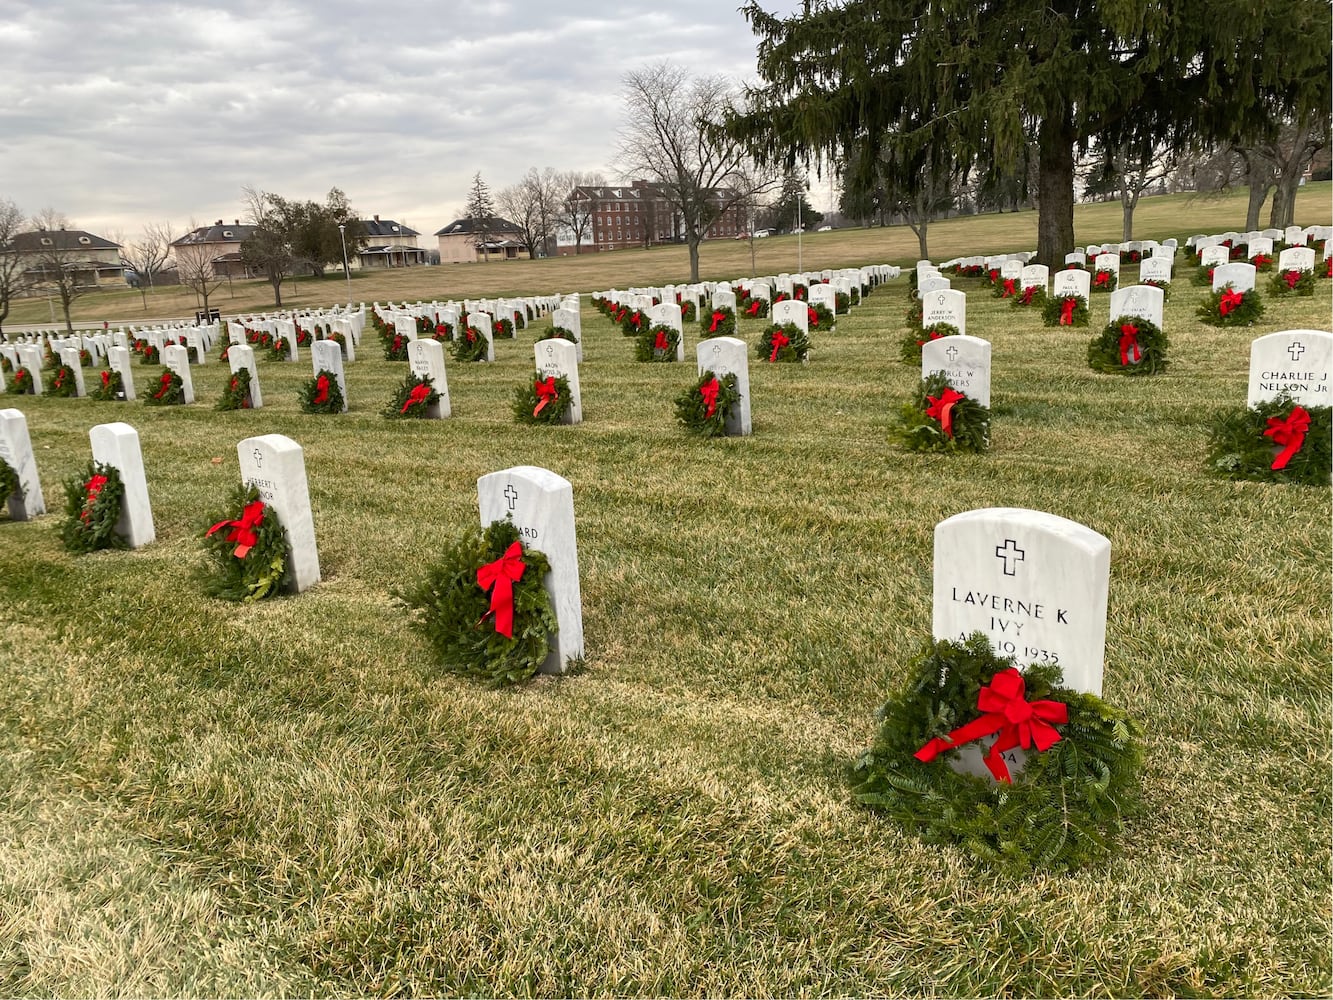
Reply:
x=1292, y=236
x=949, y=305
x=401, y=317
x=1290, y=259
x=285, y=331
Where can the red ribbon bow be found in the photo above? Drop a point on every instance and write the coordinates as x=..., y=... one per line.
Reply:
x=1008, y=288
x=242, y=531
x=441, y=329
x=1067, y=311
x=1292, y=278
x=90, y=491
x=1028, y=293
x=1230, y=300
x=546, y=393
x=661, y=343
x=106, y=379
x=165, y=385
x=718, y=317
x=754, y=307
x=1289, y=434
x=709, y=391
x=419, y=394
x=1130, y=352
x=1102, y=278
x=780, y=340
x=321, y=390
x=499, y=578
x=942, y=409
x=1019, y=723
x=811, y=316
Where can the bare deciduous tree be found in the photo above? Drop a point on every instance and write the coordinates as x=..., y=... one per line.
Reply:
x=55, y=263
x=572, y=214
x=148, y=255
x=269, y=248
x=194, y=265
x=673, y=136
x=11, y=261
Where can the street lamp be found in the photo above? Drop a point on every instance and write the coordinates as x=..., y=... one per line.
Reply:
x=347, y=273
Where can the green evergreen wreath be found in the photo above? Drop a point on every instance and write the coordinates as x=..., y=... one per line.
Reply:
x=692, y=406
x=453, y=612
x=633, y=322
x=281, y=350
x=1164, y=286
x=502, y=329
x=236, y=396
x=783, y=342
x=658, y=343
x=531, y=407
x=756, y=309
x=1062, y=811
x=688, y=311
x=150, y=355
x=820, y=317
x=395, y=346
x=520, y=321
x=170, y=391
x=22, y=383
x=321, y=394
x=1114, y=351
x=110, y=387
x=1239, y=449
x=1005, y=288
x=1029, y=296
x=471, y=346
x=62, y=383
x=409, y=399
x=1202, y=276
x=10, y=484
x=1292, y=282
x=93, y=503
x=85, y=358
x=443, y=331
x=719, y=322
x=1105, y=280
x=558, y=333
x=921, y=422
x=6, y=366
x=913, y=316
x=252, y=529
x=842, y=301
x=225, y=353
x=909, y=348
x=1054, y=311
x=1223, y=308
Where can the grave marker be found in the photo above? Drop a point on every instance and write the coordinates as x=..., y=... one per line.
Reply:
x=117, y=445
x=177, y=359
x=726, y=356
x=945, y=306
x=327, y=355
x=965, y=362
x=1143, y=301
x=1294, y=363
x=425, y=358
x=1077, y=282
x=118, y=360
x=243, y=356
x=559, y=359
x=70, y=356
x=275, y=465
x=16, y=449
x=1240, y=276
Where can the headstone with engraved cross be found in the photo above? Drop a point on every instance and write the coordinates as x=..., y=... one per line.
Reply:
x=726, y=356
x=275, y=465
x=16, y=449
x=945, y=306
x=243, y=356
x=117, y=445
x=118, y=360
x=541, y=505
x=559, y=359
x=965, y=362
x=1143, y=301
x=425, y=358
x=327, y=355
x=1292, y=363
x=177, y=360
x=69, y=357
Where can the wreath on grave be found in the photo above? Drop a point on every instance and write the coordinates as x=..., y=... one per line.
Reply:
x=688, y=311
x=110, y=387
x=1237, y=251
x=799, y=291
x=909, y=348
x=1273, y=442
x=1202, y=277
x=236, y=396
x=412, y=398
x=914, y=314
x=1105, y=280
x=842, y=301
x=1227, y=307
x=1130, y=346
x=170, y=390
x=248, y=550
x=303, y=335
x=1005, y=288
x=6, y=366
x=543, y=399
x=281, y=350
x=820, y=317
x=1328, y=267
x=1292, y=282
x=633, y=322
x=150, y=355
x=425, y=327
x=85, y=358
x=1065, y=310
x=502, y=328
x=483, y=607
x=558, y=333
x=93, y=503
x=992, y=275
x=22, y=383
x=443, y=331
x=1030, y=295
x=520, y=321
x=756, y=308
x=969, y=270
x=1164, y=286
x=721, y=322
x=471, y=346
x=225, y=353
x=704, y=408
x=1262, y=262
x=395, y=347
x=322, y=394
x=1130, y=256
x=783, y=342
x=939, y=418
x=10, y=484
x=1063, y=811
x=658, y=343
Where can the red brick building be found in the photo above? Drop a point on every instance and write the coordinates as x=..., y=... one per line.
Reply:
x=638, y=215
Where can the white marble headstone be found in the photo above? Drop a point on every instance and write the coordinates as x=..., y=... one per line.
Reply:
x=30, y=358
x=426, y=360
x=243, y=356
x=965, y=362
x=792, y=311
x=327, y=355
x=16, y=449
x=1107, y=262
x=825, y=295
x=118, y=360
x=945, y=306
x=724, y=298
x=541, y=505
x=1295, y=259
x=117, y=445
x=1213, y=256
x=1240, y=276
x=1155, y=269
x=558, y=358
x=1035, y=276
x=177, y=359
x=1143, y=301
x=1034, y=583
x=69, y=356
x=275, y=465
x=726, y=356
x=1077, y=282
x=668, y=314
x=484, y=324
x=1294, y=363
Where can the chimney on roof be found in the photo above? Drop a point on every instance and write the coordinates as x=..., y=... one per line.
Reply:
x=377, y=218
x=218, y=223
x=237, y=222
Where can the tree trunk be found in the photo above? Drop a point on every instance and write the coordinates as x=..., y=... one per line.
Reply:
x=1258, y=192
x=1055, y=190
x=1129, y=200
x=692, y=241
x=277, y=291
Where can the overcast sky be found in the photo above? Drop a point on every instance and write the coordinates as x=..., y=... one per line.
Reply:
x=119, y=113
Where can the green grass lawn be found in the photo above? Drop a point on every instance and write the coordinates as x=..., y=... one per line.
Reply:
x=291, y=799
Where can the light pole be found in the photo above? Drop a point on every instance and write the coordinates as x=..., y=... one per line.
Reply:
x=800, y=230
x=347, y=273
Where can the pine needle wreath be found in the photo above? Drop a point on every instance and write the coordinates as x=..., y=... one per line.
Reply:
x=820, y=317
x=1030, y=296
x=520, y=321
x=443, y=331
x=225, y=353
x=1057, y=311
x=170, y=390
x=1202, y=276
x=471, y=346
x=1263, y=263
x=502, y=329
x=922, y=422
x=321, y=394
x=1292, y=282
x=1005, y=288
x=1164, y=286
x=756, y=309
x=62, y=383
x=85, y=358
x=93, y=504
x=719, y=322
x=1062, y=811
x=543, y=399
x=454, y=613
x=281, y=350
x=247, y=550
x=909, y=348
x=1239, y=448
x=10, y=484
x=236, y=396
x=842, y=301
x=395, y=346
x=6, y=366
x=1105, y=280
x=688, y=311
x=783, y=342
x=150, y=355
x=22, y=384
x=915, y=312
x=658, y=343
x=1228, y=307
x=412, y=399
x=702, y=415
x=558, y=333
x=633, y=322
x=109, y=387
x=1130, y=346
